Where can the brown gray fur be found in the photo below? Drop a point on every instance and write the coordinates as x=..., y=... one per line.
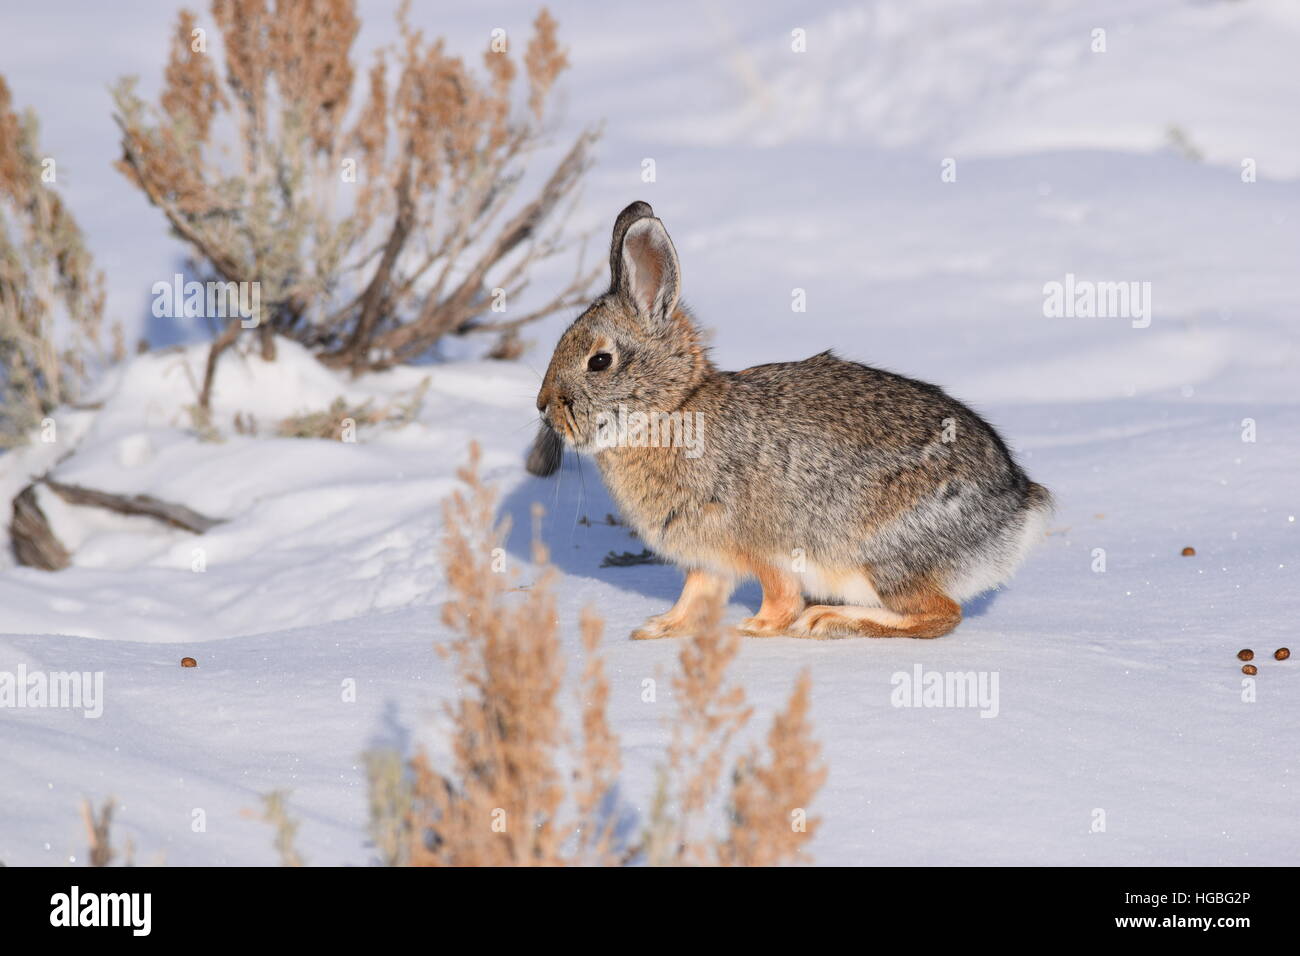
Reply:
x=824, y=478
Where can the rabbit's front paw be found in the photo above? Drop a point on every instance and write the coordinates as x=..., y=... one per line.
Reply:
x=658, y=626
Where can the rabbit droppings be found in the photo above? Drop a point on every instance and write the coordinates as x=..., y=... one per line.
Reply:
x=878, y=495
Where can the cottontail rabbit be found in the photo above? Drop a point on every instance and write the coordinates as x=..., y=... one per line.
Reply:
x=821, y=478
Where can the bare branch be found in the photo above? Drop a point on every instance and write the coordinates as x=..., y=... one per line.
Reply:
x=168, y=512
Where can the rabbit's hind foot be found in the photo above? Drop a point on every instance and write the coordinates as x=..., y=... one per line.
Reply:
x=759, y=626
x=923, y=614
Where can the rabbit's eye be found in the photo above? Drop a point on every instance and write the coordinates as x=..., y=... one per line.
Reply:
x=599, y=362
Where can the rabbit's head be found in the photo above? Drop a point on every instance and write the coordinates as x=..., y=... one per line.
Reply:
x=635, y=347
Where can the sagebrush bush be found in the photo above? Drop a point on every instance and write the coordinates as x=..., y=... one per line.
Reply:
x=506, y=798
x=51, y=296
x=374, y=231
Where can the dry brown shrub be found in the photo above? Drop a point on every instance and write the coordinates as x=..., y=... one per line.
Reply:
x=333, y=422
x=373, y=231
x=501, y=802
x=50, y=292
x=504, y=799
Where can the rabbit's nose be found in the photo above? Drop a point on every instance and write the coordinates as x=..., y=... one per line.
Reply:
x=548, y=395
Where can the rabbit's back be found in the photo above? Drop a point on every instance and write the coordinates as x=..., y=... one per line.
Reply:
x=860, y=406
x=824, y=421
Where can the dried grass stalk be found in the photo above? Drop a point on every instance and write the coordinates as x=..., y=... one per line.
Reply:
x=98, y=832
x=770, y=793
x=275, y=811
x=501, y=803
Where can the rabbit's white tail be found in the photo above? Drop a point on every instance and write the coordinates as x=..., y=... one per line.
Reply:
x=996, y=564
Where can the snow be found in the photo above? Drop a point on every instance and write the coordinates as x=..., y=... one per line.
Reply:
x=1118, y=690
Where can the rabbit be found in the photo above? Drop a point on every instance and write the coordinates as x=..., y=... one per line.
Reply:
x=865, y=503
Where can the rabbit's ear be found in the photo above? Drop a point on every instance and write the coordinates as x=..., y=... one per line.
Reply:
x=638, y=210
x=650, y=278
